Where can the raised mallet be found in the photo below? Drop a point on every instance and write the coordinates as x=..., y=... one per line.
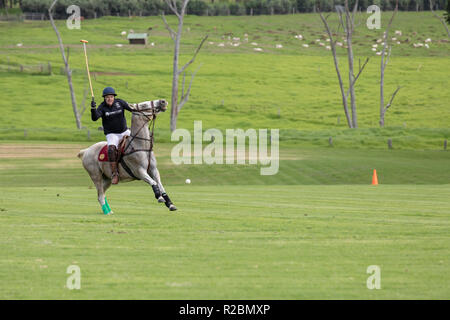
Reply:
x=87, y=67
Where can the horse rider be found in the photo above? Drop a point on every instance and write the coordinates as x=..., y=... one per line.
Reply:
x=112, y=112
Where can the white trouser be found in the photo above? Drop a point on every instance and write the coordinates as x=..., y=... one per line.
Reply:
x=113, y=139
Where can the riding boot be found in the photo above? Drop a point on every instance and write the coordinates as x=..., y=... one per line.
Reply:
x=115, y=173
x=112, y=157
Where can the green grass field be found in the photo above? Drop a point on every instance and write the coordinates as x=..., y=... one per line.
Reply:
x=308, y=232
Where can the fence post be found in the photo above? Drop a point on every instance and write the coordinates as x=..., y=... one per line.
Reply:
x=445, y=144
x=330, y=141
x=49, y=68
x=21, y=68
x=389, y=143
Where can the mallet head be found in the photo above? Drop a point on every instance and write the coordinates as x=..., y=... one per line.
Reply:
x=84, y=41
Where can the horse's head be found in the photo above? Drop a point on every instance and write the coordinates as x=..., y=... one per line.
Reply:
x=149, y=109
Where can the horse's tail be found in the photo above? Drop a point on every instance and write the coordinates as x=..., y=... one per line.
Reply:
x=81, y=153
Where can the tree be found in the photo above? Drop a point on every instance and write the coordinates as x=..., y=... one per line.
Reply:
x=67, y=68
x=177, y=71
x=384, y=62
x=349, y=26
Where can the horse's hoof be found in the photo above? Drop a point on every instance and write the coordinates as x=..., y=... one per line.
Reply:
x=161, y=200
x=172, y=207
x=109, y=213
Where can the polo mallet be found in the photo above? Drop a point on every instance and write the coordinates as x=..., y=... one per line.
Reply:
x=87, y=67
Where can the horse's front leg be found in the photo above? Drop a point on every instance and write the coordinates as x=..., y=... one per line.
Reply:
x=143, y=175
x=154, y=173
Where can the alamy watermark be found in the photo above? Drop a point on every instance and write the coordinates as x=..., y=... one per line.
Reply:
x=74, y=20
x=374, y=21
x=74, y=280
x=374, y=281
x=235, y=150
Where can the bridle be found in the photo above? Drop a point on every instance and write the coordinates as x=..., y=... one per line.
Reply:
x=150, y=119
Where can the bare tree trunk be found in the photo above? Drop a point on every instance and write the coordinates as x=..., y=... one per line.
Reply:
x=177, y=71
x=349, y=26
x=440, y=18
x=384, y=62
x=67, y=68
x=336, y=65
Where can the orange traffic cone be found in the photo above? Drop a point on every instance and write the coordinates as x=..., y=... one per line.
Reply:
x=374, y=178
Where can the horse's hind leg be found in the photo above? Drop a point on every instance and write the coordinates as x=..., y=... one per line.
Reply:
x=101, y=185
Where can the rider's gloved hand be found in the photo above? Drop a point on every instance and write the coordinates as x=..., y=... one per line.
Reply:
x=93, y=104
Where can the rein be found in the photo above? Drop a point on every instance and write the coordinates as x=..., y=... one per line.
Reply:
x=151, y=119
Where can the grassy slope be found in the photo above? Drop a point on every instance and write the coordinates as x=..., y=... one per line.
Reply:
x=235, y=87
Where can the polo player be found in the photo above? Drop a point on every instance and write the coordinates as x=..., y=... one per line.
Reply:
x=112, y=112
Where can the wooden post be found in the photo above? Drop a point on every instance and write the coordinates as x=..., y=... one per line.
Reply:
x=25, y=133
x=389, y=143
x=445, y=144
x=21, y=68
x=330, y=141
x=49, y=68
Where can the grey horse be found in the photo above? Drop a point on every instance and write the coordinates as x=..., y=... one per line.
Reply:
x=138, y=161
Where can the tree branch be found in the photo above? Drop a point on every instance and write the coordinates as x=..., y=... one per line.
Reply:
x=173, y=6
x=193, y=58
x=185, y=98
x=171, y=32
x=392, y=98
x=357, y=76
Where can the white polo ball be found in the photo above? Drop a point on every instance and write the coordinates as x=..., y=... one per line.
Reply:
x=188, y=181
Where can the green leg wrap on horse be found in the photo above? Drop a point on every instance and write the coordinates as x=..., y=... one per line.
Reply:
x=107, y=204
x=106, y=209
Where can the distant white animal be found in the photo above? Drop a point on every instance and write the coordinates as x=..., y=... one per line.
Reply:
x=258, y=49
x=279, y=46
x=305, y=45
x=123, y=33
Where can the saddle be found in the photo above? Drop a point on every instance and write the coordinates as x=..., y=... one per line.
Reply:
x=103, y=155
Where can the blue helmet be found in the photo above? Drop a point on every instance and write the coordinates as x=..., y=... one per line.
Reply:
x=109, y=90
